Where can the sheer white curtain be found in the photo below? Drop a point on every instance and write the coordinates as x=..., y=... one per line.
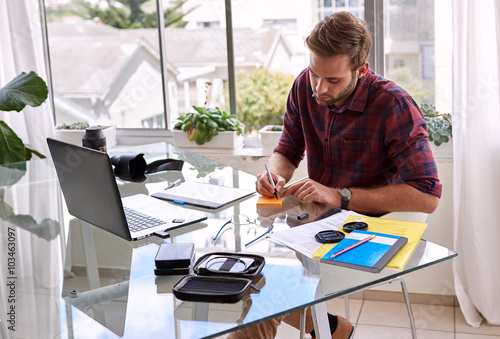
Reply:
x=21, y=50
x=476, y=141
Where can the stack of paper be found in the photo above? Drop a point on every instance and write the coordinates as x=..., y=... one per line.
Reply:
x=301, y=238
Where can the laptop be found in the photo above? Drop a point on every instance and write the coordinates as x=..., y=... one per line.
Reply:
x=91, y=193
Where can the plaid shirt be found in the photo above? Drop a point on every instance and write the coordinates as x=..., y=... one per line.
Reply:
x=378, y=138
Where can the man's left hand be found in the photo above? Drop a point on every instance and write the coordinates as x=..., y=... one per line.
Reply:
x=312, y=191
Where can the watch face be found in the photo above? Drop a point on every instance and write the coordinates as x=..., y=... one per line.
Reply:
x=345, y=193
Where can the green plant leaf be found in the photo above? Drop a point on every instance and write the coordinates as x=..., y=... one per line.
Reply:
x=30, y=151
x=48, y=229
x=11, y=173
x=6, y=211
x=12, y=148
x=25, y=89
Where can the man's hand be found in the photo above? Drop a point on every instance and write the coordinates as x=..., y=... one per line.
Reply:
x=312, y=191
x=263, y=186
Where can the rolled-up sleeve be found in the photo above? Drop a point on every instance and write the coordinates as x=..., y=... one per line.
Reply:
x=406, y=138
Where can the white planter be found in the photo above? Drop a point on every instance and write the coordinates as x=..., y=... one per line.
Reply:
x=269, y=139
x=74, y=136
x=443, y=151
x=228, y=140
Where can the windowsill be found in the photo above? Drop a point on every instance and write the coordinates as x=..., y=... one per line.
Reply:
x=252, y=147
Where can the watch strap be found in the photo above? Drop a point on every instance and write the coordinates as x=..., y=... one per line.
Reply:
x=344, y=203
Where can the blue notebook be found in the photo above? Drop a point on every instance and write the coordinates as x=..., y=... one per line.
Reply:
x=370, y=256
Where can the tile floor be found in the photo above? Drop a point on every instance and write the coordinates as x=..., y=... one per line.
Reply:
x=385, y=319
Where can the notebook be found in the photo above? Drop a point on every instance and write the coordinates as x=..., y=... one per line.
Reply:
x=91, y=193
x=371, y=256
x=203, y=195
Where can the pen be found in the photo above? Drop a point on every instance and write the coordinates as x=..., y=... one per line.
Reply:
x=352, y=246
x=270, y=177
x=172, y=184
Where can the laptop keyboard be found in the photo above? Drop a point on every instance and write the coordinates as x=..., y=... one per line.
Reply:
x=138, y=221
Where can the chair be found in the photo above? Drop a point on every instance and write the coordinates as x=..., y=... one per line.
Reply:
x=408, y=216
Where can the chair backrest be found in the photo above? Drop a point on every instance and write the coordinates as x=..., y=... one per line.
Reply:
x=408, y=216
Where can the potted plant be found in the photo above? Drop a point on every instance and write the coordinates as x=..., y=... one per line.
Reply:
x=269, y=136
x=439, y=128
x=25, y=89
x=208, y=128
x=439, y=125
x=74, y=132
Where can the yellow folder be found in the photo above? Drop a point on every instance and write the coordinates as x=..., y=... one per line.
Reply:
x=409, y=229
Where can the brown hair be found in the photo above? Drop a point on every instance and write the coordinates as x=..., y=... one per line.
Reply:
x=341, y=33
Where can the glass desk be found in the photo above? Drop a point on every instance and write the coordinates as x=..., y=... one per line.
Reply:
x=63, y=278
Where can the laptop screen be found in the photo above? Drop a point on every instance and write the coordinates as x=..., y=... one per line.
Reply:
x=89, y=186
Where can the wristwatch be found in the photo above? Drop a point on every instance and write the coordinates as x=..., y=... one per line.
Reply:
x=345, y=197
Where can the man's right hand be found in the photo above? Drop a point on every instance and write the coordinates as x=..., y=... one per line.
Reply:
x=264, y=187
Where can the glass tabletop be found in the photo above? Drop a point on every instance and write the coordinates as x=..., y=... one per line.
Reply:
x=63, y=278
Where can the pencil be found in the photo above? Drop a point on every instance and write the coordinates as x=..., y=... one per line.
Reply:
x=352, y=246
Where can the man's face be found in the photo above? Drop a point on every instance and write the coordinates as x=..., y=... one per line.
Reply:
x=332, y=79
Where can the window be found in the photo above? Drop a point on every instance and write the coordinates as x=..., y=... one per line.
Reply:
x=108, y=68
x=417, y=50
x=105, y=71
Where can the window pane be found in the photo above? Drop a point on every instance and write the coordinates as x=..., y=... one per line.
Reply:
x=356, y=7
x=105, y=64
x=268, y=39
x=412, y=54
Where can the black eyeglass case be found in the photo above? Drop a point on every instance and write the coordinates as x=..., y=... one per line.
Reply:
x=220, y=277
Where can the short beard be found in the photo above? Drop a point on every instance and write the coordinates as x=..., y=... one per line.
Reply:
x=342, y=95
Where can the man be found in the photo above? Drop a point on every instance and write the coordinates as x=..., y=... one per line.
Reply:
x=364, y=136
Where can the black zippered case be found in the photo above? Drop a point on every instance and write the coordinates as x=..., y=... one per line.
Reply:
x=220, y=277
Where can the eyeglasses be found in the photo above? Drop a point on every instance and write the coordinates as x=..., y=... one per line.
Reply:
x=243, y=220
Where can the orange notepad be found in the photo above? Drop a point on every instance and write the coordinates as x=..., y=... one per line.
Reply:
x=263, y=201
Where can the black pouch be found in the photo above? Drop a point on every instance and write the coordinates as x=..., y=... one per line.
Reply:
x=220, y=277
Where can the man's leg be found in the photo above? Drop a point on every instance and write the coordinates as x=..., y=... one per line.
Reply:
x=340, y=328
x=263, y=330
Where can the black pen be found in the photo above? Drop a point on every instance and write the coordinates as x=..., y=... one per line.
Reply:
x=271, y=181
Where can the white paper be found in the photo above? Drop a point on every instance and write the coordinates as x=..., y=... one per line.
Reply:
x=301, y=238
